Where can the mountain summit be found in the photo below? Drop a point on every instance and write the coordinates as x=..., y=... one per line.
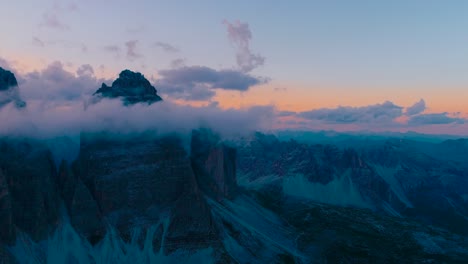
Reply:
x=9, y=89
x=133, y=87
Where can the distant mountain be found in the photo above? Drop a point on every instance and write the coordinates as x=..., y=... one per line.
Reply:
x=406, y=178
x=9, y=89
x=131, y=87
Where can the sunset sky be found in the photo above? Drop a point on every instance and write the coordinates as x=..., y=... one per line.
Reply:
x=344, y=65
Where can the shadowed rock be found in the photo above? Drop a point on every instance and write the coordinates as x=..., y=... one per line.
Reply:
x=131, y=87
x=214, y=164
x=29, y=172
x=9, y=89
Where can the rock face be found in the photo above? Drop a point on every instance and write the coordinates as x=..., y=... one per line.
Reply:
x=131, y=87
x=214, y=164
x=30, y=197
x=135, y=181
x=7, y=228
x=9, y=89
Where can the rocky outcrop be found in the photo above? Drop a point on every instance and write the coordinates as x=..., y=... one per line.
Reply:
x=9, y=89
x=132, y=88
x=214, y=164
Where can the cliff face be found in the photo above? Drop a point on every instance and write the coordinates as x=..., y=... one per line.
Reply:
x=135, y=181
x=214, y=164
x=29, y=192
x=126, y=183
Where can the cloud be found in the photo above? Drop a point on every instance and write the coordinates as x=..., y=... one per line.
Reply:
x=54, y=83
x=132, y=53
x=434, y=119
x=417, y=108
x=198, y=82
x=83, y=47
x=286, y=113
x=240, y=35
x=51, y=20
x=178, y=63
x=166, y=47
x=38, y=42
x=112, y=49
x=49, y=119
x=378, y=113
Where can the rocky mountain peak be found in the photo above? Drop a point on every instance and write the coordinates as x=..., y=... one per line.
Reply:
x=9, y=89
x=7, y=79
x=132, y=87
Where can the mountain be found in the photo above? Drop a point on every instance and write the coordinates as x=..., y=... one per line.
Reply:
x=399, y=177
x=159, y=199
x=9, y=89
x=131, y=87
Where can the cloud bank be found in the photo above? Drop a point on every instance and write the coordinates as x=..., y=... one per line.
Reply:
x=60, y=102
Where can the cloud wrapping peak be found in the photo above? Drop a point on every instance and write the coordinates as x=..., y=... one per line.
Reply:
x=197, y=82
x=240, y=35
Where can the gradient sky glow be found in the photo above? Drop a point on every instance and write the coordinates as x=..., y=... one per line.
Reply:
x=318, y=54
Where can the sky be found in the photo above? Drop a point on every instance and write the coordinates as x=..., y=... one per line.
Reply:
x=343, y=65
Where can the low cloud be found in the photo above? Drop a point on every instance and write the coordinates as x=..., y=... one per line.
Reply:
x=378, y=113
x=240, y=36
x=197, y=82
x=434, y=119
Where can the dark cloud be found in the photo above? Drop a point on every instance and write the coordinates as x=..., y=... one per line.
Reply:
x=417, y=108
x=166, y=47
x=51, y=118
x=132, y=53
x=240, y=35
x=379, y=113
x=38, y=42
x=198, y=82
x=434, y=119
